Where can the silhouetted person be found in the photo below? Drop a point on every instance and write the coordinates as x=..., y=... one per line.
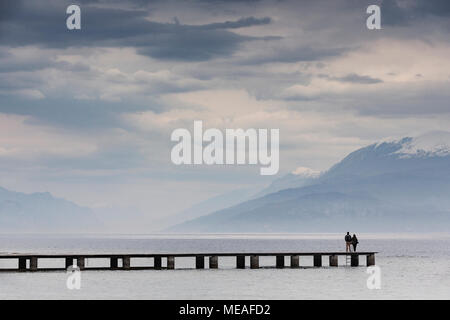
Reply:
x=354, y=242
x=348, y=242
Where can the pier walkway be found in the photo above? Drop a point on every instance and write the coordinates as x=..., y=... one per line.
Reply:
x=30, y=262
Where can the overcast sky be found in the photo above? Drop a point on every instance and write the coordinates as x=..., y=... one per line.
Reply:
x=87, y=115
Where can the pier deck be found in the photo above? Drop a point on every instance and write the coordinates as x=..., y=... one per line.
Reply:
x=30, y=261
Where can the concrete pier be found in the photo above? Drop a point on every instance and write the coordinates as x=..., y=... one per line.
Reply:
x=22, y=264
x=370, y=259
x=317, y=260
x=280, y=262
x=170, y=262
x=295, y=261
x=333, y=260
x=126, y=262
x=354, y=262
x=114, y=263
x=80, y=263
x=240, y=262
x=29, y=262
x=69, y=262
x=33, y=263
x=254, y=262
x=200, y=262
x=157, y=262
x=213, y=262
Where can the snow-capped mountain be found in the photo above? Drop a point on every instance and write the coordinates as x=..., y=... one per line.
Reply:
x=433, y=144
x=429, y=151
x=393, y=185
x=306, y=172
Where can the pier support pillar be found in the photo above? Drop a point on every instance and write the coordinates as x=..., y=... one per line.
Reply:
x=295, y=261
x=354, y=262
x=114, y=263
x=333, y=260
x=126, y=262
x=280, y=262
x=199, y=262
x=240, y=262
x=80, y=262
x=213, y=262
x=157, y=263
x=170, y=262
x=33, y=263
x=370, y=260
x=254, y=262
x=317, y=260
x=22, y=264
x=69, y=262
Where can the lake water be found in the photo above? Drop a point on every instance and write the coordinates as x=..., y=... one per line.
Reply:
x=412, y=267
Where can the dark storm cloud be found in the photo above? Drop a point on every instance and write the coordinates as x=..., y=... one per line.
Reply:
x=29, y=23
x=42, y=23
x=71, y=113
x=435, y=7
x=284, y=55
x=243, y=22
x=353, y=78
x=66, y=111
x=383, y=105
x=13, y=65
x=403, y=13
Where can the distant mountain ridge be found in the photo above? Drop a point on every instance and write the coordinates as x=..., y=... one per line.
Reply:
x=394, y=185
x=395, y=156
x=298, y=178
x=41, y=212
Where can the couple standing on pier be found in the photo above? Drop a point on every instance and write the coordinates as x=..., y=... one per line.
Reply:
x=349, y=240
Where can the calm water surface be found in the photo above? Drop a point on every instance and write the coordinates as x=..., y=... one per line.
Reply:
x=412, y=267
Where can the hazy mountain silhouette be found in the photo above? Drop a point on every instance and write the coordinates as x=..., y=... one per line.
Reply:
x=41, y=212
x=298, y=178
x=393, y=185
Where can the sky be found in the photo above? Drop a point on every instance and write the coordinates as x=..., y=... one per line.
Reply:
x=87, y=114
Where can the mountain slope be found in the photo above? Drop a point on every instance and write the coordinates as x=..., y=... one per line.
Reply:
x=215, y=203
x=397, y=185
x=300, y=177
x=41, y=212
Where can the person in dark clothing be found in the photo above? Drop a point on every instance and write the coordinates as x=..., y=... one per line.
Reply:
x=354, y=242
x=348, y=242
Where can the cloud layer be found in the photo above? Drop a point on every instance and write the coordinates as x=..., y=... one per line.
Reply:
x=88, y=114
